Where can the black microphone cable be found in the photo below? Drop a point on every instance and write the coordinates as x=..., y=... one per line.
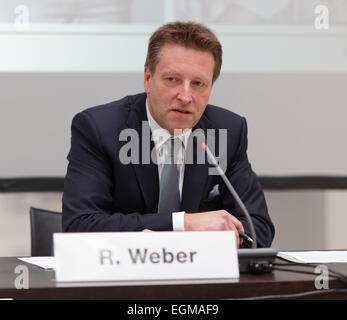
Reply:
x=331, y=273
x=334, y=274
x=278, y=266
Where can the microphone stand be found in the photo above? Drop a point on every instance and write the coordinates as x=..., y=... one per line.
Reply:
x=254, y=260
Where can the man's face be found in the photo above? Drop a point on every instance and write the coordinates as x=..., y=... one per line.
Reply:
x=179, y=89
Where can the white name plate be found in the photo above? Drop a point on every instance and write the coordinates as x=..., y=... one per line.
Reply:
x=108, y=256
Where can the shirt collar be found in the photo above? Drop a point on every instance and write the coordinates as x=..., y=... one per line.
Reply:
x=161, y=135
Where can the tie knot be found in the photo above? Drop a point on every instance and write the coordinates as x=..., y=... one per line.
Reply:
x=171, y=150
x=174, y=144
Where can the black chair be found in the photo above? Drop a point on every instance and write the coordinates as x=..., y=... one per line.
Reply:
x=43, y=223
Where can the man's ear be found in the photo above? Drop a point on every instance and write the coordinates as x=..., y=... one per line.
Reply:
x=147, y=79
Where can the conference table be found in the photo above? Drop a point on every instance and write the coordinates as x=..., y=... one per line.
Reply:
x=274, y=285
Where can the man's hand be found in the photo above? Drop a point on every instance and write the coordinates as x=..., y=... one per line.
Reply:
x=213, y=220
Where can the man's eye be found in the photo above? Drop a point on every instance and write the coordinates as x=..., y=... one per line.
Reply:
x=171, y=79
x=198, y=83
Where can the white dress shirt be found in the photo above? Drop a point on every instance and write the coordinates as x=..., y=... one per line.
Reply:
x=160, y=137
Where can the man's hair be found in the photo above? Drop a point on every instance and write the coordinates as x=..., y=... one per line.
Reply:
x=188, y=34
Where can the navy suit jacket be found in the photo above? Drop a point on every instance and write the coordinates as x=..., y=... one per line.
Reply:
x=102, y=194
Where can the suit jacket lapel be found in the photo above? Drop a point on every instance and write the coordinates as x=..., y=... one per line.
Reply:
x=146, y=170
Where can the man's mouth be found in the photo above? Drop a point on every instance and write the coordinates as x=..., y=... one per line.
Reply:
x=181, y=111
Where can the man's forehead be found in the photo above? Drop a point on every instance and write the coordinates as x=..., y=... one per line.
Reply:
x=175, y=66
x=170, y=47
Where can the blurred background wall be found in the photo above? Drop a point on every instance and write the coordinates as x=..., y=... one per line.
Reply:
x=284, y=69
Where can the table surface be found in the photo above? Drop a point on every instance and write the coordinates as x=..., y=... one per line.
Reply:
x=42, y=285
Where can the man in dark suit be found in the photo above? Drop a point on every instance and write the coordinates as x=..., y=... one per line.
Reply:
x=103, y=192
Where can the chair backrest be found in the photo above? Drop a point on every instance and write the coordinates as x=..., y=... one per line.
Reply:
x=43, y=223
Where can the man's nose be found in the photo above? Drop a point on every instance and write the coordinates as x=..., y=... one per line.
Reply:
x=184, y=94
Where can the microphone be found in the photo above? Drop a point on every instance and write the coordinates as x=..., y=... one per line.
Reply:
x=244, y=236
x=214, y=162
x=251, y=260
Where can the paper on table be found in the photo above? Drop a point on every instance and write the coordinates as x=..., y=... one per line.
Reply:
x=42, y=262
x=314, y=256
